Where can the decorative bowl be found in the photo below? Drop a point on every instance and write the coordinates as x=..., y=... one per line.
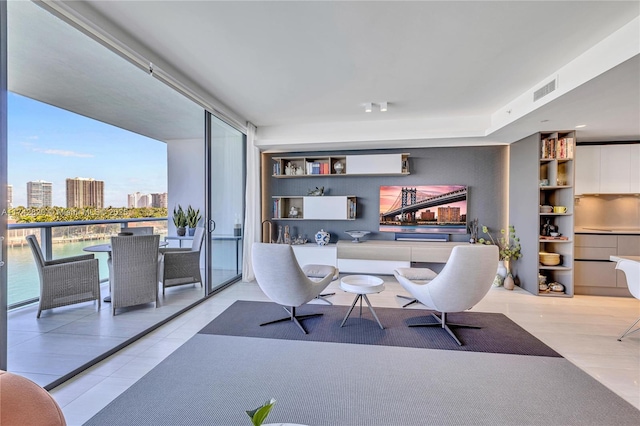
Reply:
x=546, y=209
x=549, y=259
x=356, y=235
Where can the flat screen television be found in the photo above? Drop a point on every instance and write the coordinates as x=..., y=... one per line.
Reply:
x=424, y=209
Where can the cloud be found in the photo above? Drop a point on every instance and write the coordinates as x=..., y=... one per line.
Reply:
x=63, y=153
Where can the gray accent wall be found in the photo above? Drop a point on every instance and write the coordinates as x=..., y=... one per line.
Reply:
x=483, y=169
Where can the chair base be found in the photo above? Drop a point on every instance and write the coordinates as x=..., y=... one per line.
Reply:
x=323, y=297
x=410, y=299
x=445, y=325
x=628, y=331
x=293, y=317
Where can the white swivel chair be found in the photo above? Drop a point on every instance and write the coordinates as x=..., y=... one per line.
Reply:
x=631, y=270
x=282, y=280
x=464, y=281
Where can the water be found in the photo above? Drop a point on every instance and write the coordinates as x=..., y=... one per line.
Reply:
x=23, y=281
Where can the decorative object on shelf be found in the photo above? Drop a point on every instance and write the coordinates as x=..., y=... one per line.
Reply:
x=548, y=228
x=546, y=209
x=559, y=209
x=544, y=182
x=289, y=169
x=556, y=287
x=279, y=240
x=316, y=192
x=338, y=167
x=549, y=259
x=356, y=235
x=498, y=280
x=473, y=231
x=180, y=220
x=322, y=237
x=509, y=283
x=294, y=212
x=542, y=283
x=299, y=240
x=259, y=415
x=193, y=217
x=287, y=235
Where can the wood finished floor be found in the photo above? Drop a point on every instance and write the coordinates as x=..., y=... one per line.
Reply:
x=583, y=329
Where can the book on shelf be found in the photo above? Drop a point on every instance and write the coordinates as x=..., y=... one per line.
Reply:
x=562, y=148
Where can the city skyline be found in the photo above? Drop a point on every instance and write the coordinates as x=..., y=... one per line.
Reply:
x=46, y=143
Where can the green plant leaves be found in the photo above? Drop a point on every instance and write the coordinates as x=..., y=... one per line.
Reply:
x=259, y=415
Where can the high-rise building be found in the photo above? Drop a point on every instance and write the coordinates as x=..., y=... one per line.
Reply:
x=10, y=196
x=147, y=200
x=159, y=200
x=448, y=214
x=85, y=192
x=39, y=193
x=138, y=200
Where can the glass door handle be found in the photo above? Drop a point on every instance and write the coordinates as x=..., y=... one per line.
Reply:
x=212, y=225
x=1, y=261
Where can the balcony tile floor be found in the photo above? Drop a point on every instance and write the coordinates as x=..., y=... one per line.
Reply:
x=583, y=329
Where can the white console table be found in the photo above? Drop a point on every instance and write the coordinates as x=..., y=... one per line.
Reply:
x=374, y=256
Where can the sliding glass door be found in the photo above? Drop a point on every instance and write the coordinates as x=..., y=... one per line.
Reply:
x=226, y=193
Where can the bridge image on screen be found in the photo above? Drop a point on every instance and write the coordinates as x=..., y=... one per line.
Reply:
x=427, y=208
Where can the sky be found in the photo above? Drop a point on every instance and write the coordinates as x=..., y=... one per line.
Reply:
x=51, y=144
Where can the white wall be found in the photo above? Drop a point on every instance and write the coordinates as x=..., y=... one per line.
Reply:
x=185, y=175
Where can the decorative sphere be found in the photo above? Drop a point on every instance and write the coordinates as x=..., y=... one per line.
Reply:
x=322, y=237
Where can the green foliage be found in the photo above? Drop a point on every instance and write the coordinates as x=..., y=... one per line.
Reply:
x=259, y=415
x=193, y=216
x=179, y=217
x=508, y=243
x=63, y=214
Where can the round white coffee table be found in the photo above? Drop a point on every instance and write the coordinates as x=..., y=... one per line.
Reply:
x=361, y=285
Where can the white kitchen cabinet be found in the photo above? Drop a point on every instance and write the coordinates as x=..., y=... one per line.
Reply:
x=615, y=169
x=587, y=169
x=608, y=169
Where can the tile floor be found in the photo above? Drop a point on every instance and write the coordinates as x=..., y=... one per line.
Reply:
x=583, y=329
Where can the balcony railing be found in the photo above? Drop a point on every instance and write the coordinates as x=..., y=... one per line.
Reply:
x=59, y=239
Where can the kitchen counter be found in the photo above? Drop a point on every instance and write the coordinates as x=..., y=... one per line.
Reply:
x=606, y=230
x=619, y=258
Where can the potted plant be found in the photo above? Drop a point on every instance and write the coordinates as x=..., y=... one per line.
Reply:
x=509, y=250
x=193, y=217
x=180, y=220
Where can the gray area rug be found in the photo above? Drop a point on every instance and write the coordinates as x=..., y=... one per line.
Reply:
x=498, y=333
x=213, y=379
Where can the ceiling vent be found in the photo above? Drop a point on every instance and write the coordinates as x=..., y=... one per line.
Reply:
x=544, y=90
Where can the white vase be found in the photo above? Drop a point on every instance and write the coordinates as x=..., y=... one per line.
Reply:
x=502, y=269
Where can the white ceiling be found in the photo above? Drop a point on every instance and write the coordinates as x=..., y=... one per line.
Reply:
x=301, y=71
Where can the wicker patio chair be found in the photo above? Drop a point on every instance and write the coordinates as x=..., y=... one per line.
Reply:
x=65, y=281
x=181, y=266
x=137, y=230
x=133, y=269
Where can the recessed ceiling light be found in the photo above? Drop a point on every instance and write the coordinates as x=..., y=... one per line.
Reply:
x=367, y=107
x=383, y=106
x=580, y=126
